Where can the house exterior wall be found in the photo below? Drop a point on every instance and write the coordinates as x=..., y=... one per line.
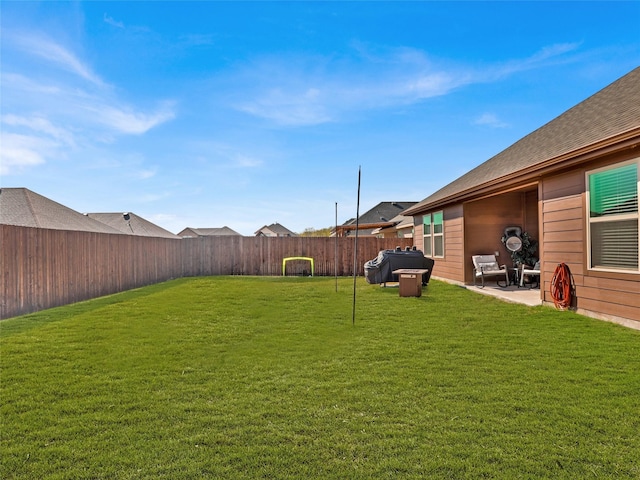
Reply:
x=530, y=222
x=564, y=217
x=451, y=267
x=476, y=227
x=554, y=212
x=486, y=219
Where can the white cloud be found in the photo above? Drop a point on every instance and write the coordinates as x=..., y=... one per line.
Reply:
x=227, y=156
x=290, y=108
x=21, y=151
x=244, y=161
x=18, y=82
x=553, y=51
x=124, y=120
x=48, y=109
x=112, y=22
x=490, y=120
x=299, y=91
x=147, y=173
x=55, y=53
x=40, y=124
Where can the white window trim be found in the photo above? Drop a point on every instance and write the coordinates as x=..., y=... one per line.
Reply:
x=432, y=235
x=620, y=217
x=428, y=236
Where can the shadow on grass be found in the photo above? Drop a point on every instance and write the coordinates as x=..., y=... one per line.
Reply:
x=23, y=323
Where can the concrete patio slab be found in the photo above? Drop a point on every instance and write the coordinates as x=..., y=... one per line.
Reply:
x=513, y=294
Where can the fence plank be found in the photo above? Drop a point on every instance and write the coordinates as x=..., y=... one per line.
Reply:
x=46, y=268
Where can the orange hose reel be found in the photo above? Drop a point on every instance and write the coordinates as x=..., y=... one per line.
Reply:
x=560, y=289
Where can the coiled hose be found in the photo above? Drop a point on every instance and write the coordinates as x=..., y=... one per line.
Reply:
x=561, y=287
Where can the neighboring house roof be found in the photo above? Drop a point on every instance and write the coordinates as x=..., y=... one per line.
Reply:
x=607, y=117
x=404, y=221
x=275, y=230
x=383, y=212
x=383, y=215
x=399, y=222
x=24, y=208
x=132, y=224
x=207, y=232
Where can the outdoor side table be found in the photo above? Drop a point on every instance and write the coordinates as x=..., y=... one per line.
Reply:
x=410, y=281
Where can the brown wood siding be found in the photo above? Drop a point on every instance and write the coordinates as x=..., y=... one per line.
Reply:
x=452, y=265
x=485, y=221
x=47, y=268
x=563, y=226
x=565, y=241
x=418, y=233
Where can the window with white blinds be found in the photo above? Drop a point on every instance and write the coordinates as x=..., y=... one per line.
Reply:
x=613, y=217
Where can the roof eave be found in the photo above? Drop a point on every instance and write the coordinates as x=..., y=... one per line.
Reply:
x=623, y=141
x=364, y=226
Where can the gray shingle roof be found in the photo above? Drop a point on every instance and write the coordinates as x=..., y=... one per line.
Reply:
x=382, y=212
x=24, y=208
x=610, y=112
x=205, y=232
x=277, y=230
x=132, y=224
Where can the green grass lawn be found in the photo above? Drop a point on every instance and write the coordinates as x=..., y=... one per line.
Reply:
x=245, y=377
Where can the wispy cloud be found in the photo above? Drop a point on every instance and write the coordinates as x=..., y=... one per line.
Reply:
x=553, y=51
x=21, y=151
x=112, y=22
x=147, y=173
x=244, y=161
x=543, y=57
x=298, y=91
x=123, y=119
x=490, y=120
x=289, y=108
x=54, y=110
x=39, y=124
x=227, y=156
x=28, y=141
x=54, y=53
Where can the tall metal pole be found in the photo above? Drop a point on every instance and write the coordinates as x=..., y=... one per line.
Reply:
x=355, y=252
x=335, y=253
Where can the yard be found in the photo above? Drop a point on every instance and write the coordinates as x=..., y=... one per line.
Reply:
x=267, y=377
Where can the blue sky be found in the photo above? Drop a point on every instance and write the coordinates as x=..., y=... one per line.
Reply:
x=205, y=114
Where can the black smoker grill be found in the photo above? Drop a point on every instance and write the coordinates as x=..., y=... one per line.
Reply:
x=379, y=269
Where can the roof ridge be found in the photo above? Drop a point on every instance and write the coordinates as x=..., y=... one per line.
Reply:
x=30, y=205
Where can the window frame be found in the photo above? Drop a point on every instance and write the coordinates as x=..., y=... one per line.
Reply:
x=429, y=239
x=617, y=217
x=427, y=252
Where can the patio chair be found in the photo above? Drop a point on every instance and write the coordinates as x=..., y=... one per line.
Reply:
x=485, y=266
x=531, y=272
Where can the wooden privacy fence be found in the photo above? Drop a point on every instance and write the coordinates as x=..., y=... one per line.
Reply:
x=46, y=268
